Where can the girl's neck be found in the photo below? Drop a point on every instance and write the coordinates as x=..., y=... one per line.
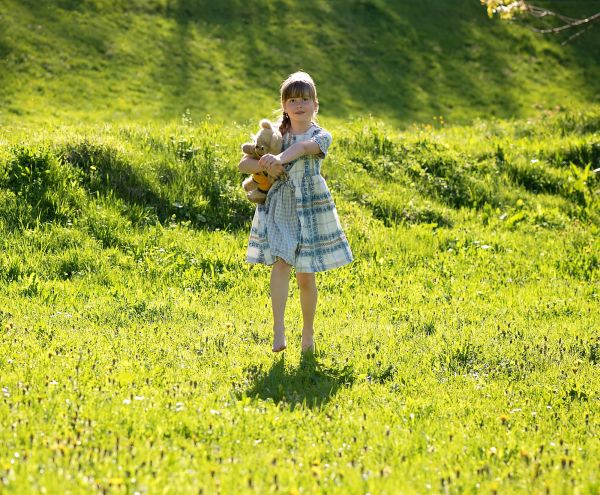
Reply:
x=300, y=128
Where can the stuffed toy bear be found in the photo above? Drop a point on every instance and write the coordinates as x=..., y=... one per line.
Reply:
x=268, y=140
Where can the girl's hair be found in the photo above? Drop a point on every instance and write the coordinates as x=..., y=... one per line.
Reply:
x=298, y=84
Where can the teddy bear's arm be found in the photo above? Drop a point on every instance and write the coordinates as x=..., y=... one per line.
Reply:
x=248, y=148
x=249, y=165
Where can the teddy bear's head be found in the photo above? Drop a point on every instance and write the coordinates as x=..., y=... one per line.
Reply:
x=268, y=140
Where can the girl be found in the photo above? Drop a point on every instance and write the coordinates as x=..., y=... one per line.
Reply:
x=298, y=225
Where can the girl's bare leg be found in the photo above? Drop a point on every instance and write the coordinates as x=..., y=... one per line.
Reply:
x=280, y=283
x=308, y=301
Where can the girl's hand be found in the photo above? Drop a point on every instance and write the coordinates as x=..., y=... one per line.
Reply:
x=272, y=165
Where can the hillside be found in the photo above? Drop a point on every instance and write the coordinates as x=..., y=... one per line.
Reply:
x=116, y=60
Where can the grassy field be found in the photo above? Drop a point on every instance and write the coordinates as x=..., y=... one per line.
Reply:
x=459, y=353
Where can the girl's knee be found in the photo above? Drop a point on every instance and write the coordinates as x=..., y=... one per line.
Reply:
x=306, y=280
x=281, y=266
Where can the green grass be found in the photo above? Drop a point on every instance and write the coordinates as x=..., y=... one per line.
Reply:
x=458, y=353
x=109, y=60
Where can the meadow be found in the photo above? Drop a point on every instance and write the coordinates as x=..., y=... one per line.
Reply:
x=458, y=353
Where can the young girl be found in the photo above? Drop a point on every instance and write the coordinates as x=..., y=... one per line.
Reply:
x=298, y=225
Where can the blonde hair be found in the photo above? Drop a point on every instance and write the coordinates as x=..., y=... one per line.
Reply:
x=298, y=84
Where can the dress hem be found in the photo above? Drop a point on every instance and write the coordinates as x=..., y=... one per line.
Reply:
x=255, y=261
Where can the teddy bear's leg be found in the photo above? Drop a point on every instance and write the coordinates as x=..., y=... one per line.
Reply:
x=249, y=184
x=257, y=196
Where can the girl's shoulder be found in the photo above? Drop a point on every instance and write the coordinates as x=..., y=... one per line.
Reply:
x=316, y=128
x=323, y=138
x=317, y=131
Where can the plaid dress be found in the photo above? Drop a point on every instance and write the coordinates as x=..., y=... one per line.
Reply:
x=298, y=222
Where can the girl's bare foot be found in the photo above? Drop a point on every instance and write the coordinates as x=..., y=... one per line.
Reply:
x=279, y=343
x=309, y=349
x=307, y=344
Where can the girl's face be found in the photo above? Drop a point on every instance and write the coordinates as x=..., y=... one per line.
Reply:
x=301, y=109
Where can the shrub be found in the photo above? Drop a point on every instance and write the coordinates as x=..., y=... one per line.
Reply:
x=195, y=184
x=103, y=171
x=580, y=122
x=391, y=213
x=45, y=190
x=580, y=154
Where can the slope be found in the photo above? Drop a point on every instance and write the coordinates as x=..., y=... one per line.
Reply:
x=111, y=60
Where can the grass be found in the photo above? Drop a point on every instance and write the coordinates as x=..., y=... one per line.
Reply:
x=109, y=60
x=459, y=353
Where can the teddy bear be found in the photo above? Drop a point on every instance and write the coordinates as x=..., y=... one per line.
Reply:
x=268, y=140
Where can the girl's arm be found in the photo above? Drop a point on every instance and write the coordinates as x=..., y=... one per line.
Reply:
x=297, y=150
x=292, y=153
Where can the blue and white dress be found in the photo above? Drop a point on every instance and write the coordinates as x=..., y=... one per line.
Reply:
x=298, y=221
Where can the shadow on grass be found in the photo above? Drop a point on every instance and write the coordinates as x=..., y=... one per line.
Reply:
x=311, y=384
x=104, y=172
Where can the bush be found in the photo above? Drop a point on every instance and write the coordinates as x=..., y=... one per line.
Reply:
x=45, y=190
x=103, y=171
x=580, y=154
x=581, y=122
x=195, y=184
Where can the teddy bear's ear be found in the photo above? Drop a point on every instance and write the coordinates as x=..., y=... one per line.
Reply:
x=265, y=124
x=276, y=142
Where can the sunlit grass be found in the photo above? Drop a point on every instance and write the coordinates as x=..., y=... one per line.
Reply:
x=458, y=353
x=428, y=62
